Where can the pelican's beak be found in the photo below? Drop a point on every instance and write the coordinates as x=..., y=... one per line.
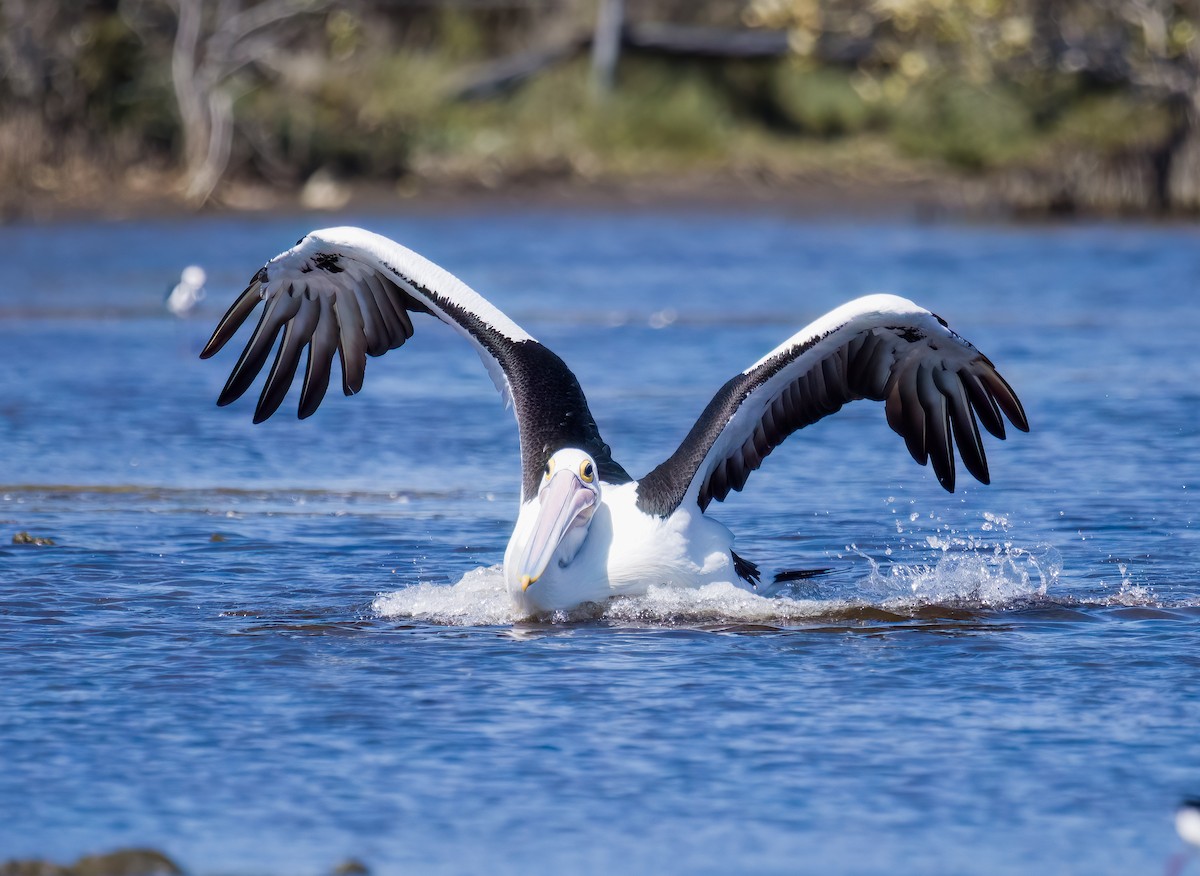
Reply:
x=565, y=503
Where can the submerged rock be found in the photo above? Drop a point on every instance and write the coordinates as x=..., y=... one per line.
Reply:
x=25, y=538
x=126, y=862
x=123, y=862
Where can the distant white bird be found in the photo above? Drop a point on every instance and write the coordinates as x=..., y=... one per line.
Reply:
x=1187, y=821
x=1187, y=825
x=586, y=530
x=188, y=292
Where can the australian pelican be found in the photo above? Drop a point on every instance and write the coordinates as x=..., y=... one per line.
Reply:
x=586, y=530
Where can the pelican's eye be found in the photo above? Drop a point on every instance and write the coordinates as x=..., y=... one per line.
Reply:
x=587, y=471
x=549, y=468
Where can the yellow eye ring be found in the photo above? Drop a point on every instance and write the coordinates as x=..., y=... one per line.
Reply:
x=549, y=468
x=587, y=472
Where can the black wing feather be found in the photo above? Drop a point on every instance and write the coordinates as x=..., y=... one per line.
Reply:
x=933, y=387
x=339, y=292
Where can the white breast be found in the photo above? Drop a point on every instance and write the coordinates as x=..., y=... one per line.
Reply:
x=627, y=551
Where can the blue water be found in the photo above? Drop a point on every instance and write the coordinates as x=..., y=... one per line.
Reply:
x=263, y=649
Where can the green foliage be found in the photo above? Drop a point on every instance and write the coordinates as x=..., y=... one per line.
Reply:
x=368, y=94
x=309, y=132
x=660, y=109
x=386, y=117
x=405, y=88
x=459, y=35
x=556, y=121
x=119, y=85
x=968, y=126
x=361, y=119
x=1111, y=123
x=820, y=101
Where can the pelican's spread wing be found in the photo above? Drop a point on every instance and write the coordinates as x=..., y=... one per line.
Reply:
x=351, y=292
x=880, y=347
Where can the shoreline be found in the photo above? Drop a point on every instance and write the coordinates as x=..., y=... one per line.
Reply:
x=918, y=197
x=816, y=195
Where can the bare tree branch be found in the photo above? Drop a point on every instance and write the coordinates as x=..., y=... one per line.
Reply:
x=201, y=65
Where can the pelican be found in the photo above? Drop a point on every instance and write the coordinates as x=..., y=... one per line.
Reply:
x=586, y=530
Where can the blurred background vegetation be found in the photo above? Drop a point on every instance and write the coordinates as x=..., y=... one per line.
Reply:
x=1040, y=106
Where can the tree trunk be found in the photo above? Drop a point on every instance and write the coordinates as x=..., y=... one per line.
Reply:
x=204, y=176
x=195, y=107
x=606, y=45
x=1183, y=178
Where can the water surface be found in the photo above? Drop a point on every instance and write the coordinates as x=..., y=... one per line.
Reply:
x=265, y=648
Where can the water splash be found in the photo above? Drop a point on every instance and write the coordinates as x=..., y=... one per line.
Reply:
x=965, y=574
x=978, y=564
x=478, y=599
x=1130, y=593
x=932, y=564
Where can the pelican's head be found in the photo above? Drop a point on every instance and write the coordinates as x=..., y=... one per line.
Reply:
x=553, y=526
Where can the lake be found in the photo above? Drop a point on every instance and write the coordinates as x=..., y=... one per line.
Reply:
x=265, y=649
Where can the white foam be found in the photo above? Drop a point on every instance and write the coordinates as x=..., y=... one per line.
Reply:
x=717, y=603
x=478, y=599
x=1136, y=596
x=991, y=578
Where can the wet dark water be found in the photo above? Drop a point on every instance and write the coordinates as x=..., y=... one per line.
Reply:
x=263, y=649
